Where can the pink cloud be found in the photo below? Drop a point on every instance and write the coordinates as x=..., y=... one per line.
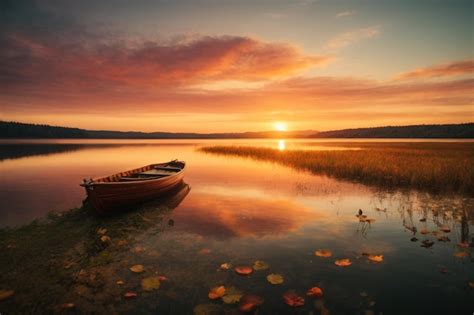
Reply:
x=30, y=62
x=456, y=68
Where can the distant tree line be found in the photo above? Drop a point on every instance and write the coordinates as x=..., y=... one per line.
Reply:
x=36, y=131
x=419, y=131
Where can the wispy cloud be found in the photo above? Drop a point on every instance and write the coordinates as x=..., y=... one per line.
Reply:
x=351, y=37
x=456, y=68
x=275, y=15
x=345, y=13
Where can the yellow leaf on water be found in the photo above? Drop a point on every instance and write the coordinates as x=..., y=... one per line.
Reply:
x=5, y=294
x=274, y=278
x=232, y=296
x=375, y=258
x=260, y=265
x=137, y=268
x=323, y=253
x=105, y=238
x=345, y=262
x=151, y=283
x=225, y=266
x=216, y=292
x=120, y=282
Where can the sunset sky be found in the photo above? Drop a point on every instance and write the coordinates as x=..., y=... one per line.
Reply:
x=240, y=65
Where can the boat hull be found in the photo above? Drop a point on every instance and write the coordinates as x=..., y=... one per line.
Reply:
x=108, y=197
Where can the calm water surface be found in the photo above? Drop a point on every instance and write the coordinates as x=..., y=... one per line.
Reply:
x=238, y=211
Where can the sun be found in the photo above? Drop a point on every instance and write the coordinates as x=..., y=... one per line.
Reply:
x=279, y=126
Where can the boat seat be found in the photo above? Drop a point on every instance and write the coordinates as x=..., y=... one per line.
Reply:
x=166, y=168
x=129, y=179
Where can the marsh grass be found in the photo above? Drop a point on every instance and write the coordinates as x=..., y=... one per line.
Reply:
x=438, y=167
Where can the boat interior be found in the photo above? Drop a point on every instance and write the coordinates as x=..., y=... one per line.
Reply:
x=149, y=172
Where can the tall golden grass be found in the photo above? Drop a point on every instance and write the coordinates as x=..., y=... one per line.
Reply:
x=439, y=167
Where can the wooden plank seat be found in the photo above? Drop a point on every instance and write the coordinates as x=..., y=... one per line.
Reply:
x=167, y=168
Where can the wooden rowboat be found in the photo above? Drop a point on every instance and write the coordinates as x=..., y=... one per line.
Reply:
x=124, y=189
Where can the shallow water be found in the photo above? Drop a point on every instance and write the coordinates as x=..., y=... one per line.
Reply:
x=238, y=211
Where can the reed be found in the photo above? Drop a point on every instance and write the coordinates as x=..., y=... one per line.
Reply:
x=439, y=167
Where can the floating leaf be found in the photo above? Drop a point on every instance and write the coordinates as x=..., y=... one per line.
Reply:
x=443, y=239
x=216, y=292
x=120, y=282
x=375, y=258
x=413, y=239
x=105, y=239
x=444, y=270
x=314, y=291
x=260, y=265
x=274, y=278
x=471, y=285
x=225, y=266
x=101, y=231
x=204, y=251
x=250, y=302
x=243, y=270
x=323, y=253
x=364, y=294
x=130, y=295
x=5, y=294
x=345, y=262
x=424, y=231
x=151, y=283
x=460, y=254
x=463, y=244
x=163, y=278
x=232, y=296
x=445, y=229
x=137, y=268
x=291, y=298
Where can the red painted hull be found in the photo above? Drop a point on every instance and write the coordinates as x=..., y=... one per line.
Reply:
x=107, y=197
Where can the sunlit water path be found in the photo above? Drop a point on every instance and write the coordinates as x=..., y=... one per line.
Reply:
x=238, y=211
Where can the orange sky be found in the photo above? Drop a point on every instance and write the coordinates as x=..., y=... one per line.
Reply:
x=95, y=71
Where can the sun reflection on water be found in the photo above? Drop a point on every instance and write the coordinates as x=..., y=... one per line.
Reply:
x=281, y=145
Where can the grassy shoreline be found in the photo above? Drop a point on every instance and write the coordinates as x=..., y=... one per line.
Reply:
x=437, y=167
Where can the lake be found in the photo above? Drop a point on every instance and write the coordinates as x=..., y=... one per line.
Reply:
x=237, y=211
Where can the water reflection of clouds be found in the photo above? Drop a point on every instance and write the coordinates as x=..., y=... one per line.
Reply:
x=226, y=216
